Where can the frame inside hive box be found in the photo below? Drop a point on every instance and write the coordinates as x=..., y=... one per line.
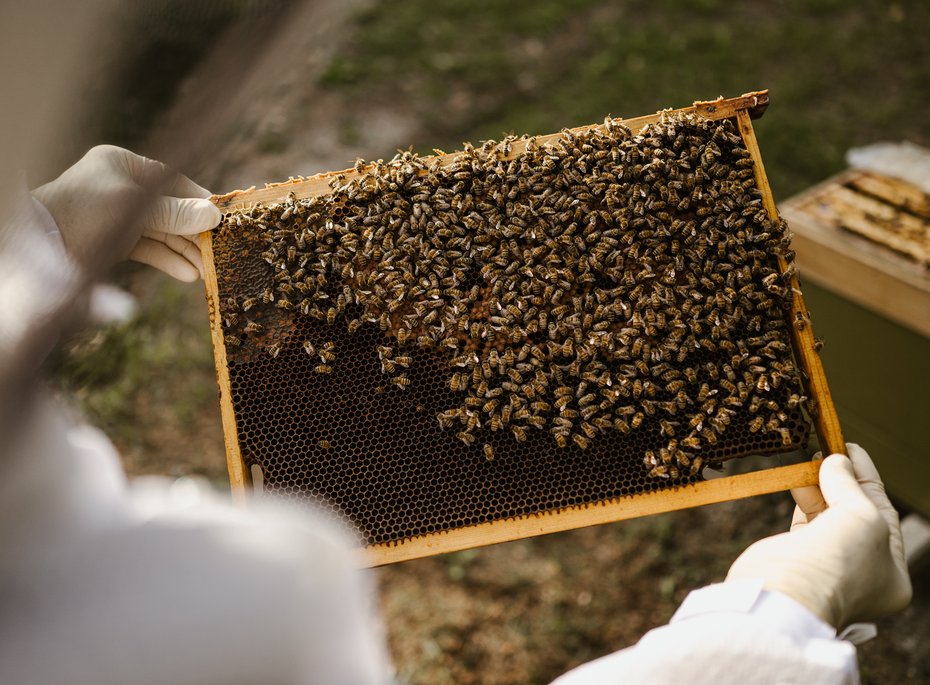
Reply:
x=370, y=447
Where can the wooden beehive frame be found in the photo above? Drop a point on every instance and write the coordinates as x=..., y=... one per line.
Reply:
x=776, y=479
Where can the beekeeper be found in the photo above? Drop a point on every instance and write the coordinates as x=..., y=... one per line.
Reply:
x=163, y=582
x=106, y=582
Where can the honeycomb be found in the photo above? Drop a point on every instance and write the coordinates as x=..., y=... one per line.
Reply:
x=433, y=345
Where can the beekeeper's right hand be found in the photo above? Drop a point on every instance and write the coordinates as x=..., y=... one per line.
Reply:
x=844, y=557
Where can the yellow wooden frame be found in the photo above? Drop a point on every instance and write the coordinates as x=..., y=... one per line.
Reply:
x=776, y=479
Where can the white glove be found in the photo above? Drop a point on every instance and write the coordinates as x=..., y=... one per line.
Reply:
x=115, y=204
x=844, y=557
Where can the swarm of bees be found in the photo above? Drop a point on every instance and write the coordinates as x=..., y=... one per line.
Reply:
x=608, y=281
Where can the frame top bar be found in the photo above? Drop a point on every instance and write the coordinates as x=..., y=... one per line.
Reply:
x=755, y=103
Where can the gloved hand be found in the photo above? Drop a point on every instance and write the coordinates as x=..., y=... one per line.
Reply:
x=844, y=557
x=114, y=204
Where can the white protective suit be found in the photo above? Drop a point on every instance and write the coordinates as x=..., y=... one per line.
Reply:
x=730, y=634
x=159, y=582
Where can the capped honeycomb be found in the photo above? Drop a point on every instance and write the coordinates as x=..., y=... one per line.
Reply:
x=435, y=344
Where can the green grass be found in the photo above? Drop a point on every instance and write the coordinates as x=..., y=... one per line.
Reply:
x=841, y=73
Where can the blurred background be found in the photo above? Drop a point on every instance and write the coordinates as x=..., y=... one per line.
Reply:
x=242, y=92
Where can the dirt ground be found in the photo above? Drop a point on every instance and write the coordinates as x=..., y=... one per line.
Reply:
x=522, y=612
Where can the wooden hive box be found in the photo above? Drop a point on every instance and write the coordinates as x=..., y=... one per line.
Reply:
x=375, y=453
x=866, y=236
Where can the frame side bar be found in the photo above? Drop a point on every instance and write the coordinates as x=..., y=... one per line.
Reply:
x=239, y=480
x=826, y=421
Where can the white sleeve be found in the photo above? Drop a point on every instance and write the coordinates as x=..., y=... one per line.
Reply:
x=107, y=583
x=38, y=284
x=163, y=581
x=732, y=632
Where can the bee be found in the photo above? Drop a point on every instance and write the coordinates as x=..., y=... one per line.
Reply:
x=589, y=412
x=691, y=441
x=602, y=423
x=446, y=418
x=536, y=421
x=506, y=414
x=660, y=471
x=697, y=421
x=581, y=441
x=756, y=424
x=285, y=304
x=274, y=350
x=667, y=427
x=248, y=303
x=812, y=408
x=324, y=444
x=674, y=386
x=519, y=433
x=709, y=435
x=696, y=465
x=490, y=405
x=488, y=452
x=401, y=381
x=466, y=437
x=253, y=327
x=268, y=296
x=795, y=400
x=670, y=408
x=232, y=340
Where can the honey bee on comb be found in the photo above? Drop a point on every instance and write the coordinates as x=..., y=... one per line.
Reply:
x=606, y=291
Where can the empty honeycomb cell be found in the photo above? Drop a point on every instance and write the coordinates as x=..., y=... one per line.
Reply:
x=605, y=313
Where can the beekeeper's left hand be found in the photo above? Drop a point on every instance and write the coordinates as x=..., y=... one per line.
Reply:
x=114, y=204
